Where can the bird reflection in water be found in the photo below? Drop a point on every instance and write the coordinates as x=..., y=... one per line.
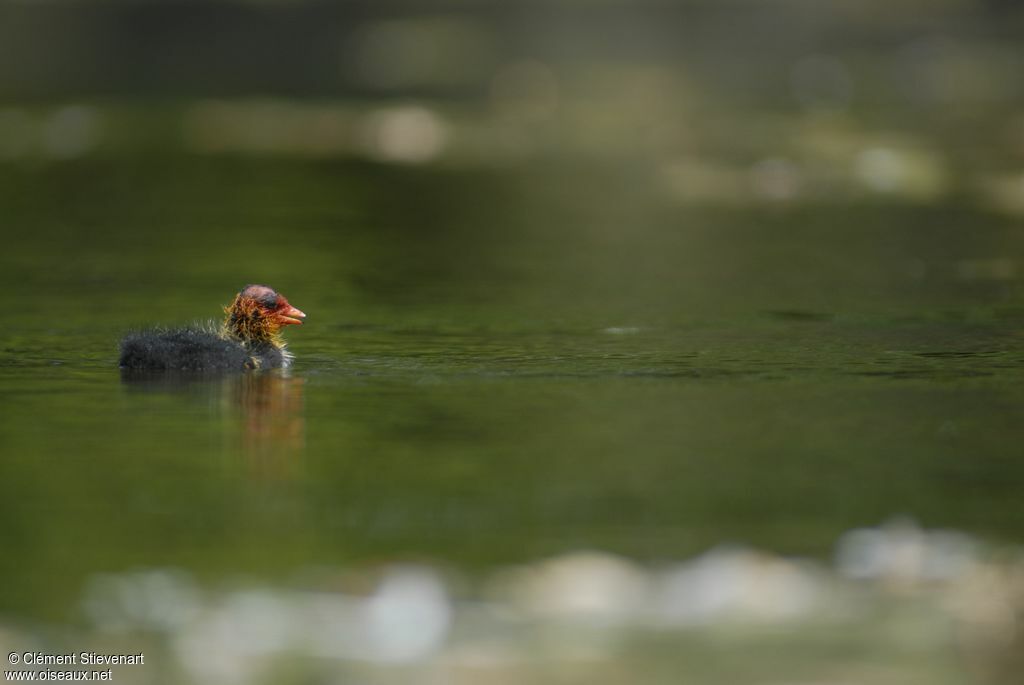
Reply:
x=271, y=409
x=264, y=412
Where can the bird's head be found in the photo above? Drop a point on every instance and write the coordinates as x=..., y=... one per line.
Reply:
x=258, y=313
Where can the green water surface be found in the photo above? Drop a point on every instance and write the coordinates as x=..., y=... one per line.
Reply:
x=497, y=364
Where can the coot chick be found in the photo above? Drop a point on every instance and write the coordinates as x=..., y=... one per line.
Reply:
x=249, y=338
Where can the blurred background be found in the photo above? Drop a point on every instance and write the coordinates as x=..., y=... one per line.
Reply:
x=647, y=341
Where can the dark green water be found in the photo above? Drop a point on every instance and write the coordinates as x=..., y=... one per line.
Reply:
x=496, y=365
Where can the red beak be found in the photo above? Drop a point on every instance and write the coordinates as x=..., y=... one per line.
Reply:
x=290, y=315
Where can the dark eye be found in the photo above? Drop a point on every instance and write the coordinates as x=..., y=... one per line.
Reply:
x=269, y=301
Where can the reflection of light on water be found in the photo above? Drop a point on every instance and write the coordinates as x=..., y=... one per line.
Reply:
x=882, y=169
x=916, y=174
x=893, y=588
x=409, y=134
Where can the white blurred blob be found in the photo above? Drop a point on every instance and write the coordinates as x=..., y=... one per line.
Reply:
x=621, y=330
x=159, y=599
x=901, y=553
x=580, y=609
x=212, y=649
x=776, y=179
x=410, y=135
x=591, y=586
x=881, y=169
x=904, y=171
x=821, y=82
x=738, y=584
x=405, y=620
x=525, y=90
x=71, y=131
x=988, y=605
x=265, y=620
x=18, y=132
x=408, y=617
